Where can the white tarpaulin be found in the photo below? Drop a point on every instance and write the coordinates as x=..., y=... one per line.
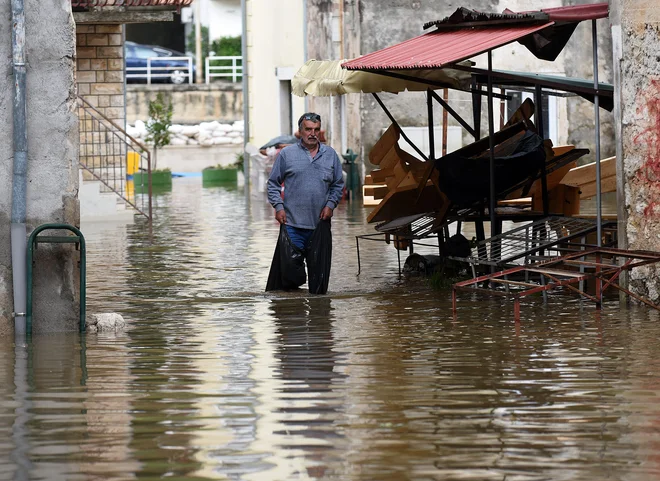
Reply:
x=322, y=78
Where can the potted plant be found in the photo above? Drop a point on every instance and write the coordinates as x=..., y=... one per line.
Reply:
x=219, y=174
x=159, y=177
x=158, y=125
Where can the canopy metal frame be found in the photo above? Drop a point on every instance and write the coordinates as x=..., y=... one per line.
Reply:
x=477, y=93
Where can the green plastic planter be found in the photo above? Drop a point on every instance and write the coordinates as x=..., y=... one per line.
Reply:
x=157, y=178
x=219, y=176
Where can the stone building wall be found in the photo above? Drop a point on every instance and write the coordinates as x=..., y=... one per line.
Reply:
x=52, y=171
x=636, y=42
x=370, y=25
x=100, y=68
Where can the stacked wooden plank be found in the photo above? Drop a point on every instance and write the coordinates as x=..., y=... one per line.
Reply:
x=403, y=185
x=396, y=182
x=584, y=178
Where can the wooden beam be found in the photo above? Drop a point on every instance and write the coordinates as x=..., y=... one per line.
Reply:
x=122, y=18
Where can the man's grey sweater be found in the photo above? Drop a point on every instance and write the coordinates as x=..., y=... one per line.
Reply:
x=310, y=184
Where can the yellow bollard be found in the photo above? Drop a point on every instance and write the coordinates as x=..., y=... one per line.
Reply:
x=132, y=162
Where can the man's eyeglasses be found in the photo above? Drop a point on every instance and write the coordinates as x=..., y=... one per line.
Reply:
x=309, y=116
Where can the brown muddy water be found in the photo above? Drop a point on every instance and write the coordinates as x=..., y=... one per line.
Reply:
x=216, y=379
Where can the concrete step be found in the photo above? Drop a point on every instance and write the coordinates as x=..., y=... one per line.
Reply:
x=96, y=203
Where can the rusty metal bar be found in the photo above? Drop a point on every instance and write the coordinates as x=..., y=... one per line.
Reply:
x=639, y=298
x=575, y=289
x=104, y=148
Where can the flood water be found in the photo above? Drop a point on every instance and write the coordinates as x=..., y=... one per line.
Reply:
x=216, y=379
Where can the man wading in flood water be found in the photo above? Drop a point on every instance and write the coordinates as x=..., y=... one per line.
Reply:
x=313, y=182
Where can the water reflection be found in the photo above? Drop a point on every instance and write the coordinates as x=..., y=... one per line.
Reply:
x=216, y=379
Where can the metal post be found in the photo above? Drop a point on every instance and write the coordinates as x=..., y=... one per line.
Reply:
x=445, y=96
x=429, y=107
x=476, y=108
x=246, y=97
x=198, y=41
x=491, y=143
x=599, y=213
x=538, y=117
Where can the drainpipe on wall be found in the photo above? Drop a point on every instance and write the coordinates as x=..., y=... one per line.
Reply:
x=305, y=46
x=19, y=180
x=246, y=96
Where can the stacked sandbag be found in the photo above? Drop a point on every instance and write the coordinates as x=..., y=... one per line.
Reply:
x=206, y=133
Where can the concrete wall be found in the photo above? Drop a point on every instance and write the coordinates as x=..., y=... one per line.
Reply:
x=192, y=103
x=52, y=160
x=224, y=18
x=636, y=42
x=275, y=41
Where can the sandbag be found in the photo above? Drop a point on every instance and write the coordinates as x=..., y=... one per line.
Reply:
x=319, y=258
x=287, y=270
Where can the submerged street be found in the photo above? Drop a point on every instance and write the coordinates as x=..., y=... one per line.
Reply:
x=216, y=379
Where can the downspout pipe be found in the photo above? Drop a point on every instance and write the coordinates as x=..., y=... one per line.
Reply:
x=246, y=94
x=19, y=179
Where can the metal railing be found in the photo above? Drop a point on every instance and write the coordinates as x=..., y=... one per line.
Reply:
x=224, y=67
x=156, y=70
x=114, y=158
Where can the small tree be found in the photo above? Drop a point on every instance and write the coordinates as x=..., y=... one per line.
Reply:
x=158, y=125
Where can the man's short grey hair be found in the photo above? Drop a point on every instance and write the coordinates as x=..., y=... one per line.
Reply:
x=309, y=116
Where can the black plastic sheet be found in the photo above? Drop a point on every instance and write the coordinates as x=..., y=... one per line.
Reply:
x=287, y=270
x=319, y=258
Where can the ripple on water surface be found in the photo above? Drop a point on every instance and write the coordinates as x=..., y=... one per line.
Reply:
x=216, y=379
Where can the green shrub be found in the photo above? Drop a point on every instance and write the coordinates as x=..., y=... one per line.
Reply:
x=160, y=120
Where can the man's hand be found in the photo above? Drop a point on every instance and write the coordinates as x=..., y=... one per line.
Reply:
x=280, y=216
x=326, y=213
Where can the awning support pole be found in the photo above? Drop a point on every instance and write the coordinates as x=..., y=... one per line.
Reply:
x=396, y=124
x=445, y=95
x=491, y=144
x=599, y=212
x=476, y=109
x=453, y=113
x=429, y=107
x=540, y=129
x=437, y=85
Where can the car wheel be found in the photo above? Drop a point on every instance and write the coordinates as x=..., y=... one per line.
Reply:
x=178, y=77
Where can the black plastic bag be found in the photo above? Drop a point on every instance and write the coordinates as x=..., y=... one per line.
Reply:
x=319, y=258
x=287, y=271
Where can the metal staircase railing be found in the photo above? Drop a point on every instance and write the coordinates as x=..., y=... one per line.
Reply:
x=112, y=157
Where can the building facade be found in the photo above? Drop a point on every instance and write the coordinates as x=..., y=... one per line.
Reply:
x=350, y=28
x=276, y=49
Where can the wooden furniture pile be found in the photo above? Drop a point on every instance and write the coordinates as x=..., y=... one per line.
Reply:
x=403, y=185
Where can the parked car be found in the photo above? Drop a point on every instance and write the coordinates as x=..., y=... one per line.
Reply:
x=167, y=65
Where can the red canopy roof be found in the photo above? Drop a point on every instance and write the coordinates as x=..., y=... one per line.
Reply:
x=440, y=48
x=577, y=13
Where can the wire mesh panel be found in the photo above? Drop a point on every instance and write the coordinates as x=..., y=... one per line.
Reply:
x=543, y=238
x=109, y=155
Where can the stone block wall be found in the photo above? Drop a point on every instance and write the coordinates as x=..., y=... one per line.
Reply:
x=52, y=167
x=192, y=104
x=636, y=42
x=100, y=68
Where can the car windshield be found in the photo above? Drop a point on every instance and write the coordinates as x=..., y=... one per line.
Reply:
x=162, y=53
x=144, y=52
